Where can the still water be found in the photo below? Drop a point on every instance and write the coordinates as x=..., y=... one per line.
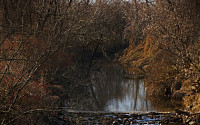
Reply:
x=131, y=98
x=114, y=93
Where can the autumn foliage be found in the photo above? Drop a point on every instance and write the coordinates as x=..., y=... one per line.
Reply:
x=164, y=44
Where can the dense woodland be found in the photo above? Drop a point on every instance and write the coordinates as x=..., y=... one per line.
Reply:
x=48, y=49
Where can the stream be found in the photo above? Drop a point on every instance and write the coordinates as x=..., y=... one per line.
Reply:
x=114, y=93
x=120, y=100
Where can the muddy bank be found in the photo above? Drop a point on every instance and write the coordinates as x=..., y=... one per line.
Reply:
x=163, y=79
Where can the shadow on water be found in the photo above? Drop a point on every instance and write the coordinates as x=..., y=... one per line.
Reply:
x=114, y=93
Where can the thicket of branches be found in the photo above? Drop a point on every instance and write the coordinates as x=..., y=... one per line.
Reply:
x=47, y=44
x=175, y=28
x=46, y=47
x=173, y=25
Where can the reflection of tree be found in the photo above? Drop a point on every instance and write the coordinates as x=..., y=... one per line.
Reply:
x=146, y=102
x=136, y=93
x=115, y=93
x=110, y=86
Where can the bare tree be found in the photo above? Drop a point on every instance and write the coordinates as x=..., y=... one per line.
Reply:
x=175, y=26
x=41, y=43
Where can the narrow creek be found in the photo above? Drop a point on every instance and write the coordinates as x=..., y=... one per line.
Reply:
x=118, y=100
x=114, y=93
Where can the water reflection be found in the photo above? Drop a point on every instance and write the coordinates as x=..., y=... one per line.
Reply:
x=116, y=94
x=133, y=98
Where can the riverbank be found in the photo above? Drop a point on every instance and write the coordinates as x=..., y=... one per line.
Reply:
x=90, y=118
x=163, y=79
